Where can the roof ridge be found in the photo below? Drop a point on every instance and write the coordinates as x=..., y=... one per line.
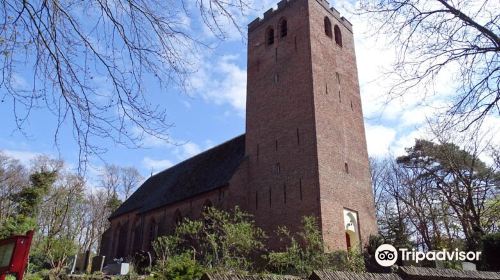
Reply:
x=198, y=155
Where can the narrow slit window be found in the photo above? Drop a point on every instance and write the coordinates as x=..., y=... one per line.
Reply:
x=328, y=27
x=276, y=145
x=298, y=137
x=283, y=28
x=270, y=36
x=346, y=167
x=277, y=168
x=284, y=193
x=300, y=188
x=295, y=42
x=270, y=197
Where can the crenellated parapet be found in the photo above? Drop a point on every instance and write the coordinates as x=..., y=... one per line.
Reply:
x=284, y=3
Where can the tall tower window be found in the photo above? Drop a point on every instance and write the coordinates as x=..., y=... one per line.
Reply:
x=338, y=35
x=270, y=36
x=283, y=28
x=328, y=27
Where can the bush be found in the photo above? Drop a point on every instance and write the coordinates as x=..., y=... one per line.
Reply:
x=305, y=252
x=180, y=267
x=219, y=240
x=490, y=256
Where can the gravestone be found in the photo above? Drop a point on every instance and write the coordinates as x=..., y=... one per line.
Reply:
x=97, y=264
x=469, y=266
x=117, y=269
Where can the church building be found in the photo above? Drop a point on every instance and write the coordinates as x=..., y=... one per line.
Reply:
x=304, y=151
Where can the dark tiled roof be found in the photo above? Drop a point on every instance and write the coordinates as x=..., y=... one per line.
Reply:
x=224, y=276
x=207, y=171
x=340, y=275
x=413, y=272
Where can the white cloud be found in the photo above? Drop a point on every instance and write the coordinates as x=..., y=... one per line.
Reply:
x=407, y=139
x=187, y=150
x=223, y=82
x=25, y=157
x=155, y=165
x=379, y=139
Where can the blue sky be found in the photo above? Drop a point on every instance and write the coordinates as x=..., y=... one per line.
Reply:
x=213, y=110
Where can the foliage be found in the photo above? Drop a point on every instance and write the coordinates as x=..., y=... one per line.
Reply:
x=305, y=252
x=351, y=260
x=179, y=267
x=39, y=275
x=55, y=251
x=439, y=195
x=27, y=202
x=219, y=239
x=165, y=247
x=490, y=244
x=459, y=178
x=67, y=216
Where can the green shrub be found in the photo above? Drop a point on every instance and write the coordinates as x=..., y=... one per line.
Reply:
x=305, y=252
x=351, y=260
x=179, y=267
x=219, y=240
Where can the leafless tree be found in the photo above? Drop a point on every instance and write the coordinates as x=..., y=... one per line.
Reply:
x=110, y=180
x=13, y=177
x=89, y=61
x=435, y=37
x=130, y=180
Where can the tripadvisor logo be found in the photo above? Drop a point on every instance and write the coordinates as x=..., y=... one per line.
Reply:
x=386, y=255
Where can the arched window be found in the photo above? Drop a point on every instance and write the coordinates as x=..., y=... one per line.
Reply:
x=116, y=239
x=122, y=241
x=328, y=27
x=153, y=230
x=177, y=217
x=283, y=28
x=338, y=35
x=137, y=236
x=270, y=36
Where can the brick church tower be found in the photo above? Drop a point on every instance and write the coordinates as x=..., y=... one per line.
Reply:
x=305, y=138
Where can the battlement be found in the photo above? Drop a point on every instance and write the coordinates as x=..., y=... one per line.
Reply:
x=284, y=3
